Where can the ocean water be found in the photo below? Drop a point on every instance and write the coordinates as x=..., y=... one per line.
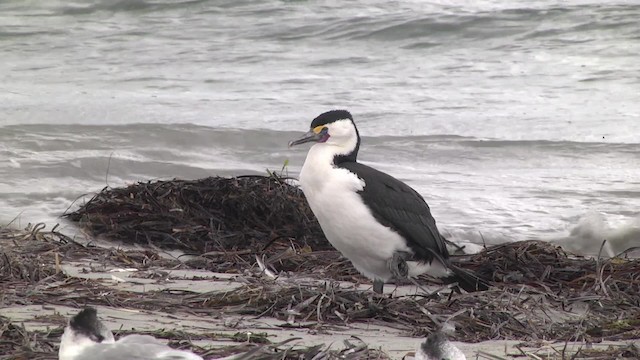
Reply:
x=514, y=119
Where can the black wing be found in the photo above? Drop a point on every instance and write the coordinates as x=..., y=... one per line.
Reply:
x=397, y=205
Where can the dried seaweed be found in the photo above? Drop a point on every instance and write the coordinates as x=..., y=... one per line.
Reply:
x=206, y=215
x=629, y=351
x=539, y=292
x=574, y=307
x=18, y=343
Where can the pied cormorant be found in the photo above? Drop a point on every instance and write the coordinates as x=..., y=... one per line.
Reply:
x=382, y=225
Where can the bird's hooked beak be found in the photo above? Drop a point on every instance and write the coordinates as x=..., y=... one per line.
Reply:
x=317, y=134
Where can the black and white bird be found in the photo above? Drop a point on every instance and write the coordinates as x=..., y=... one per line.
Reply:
x=86, y=338
x=438, y=347
x=382, y=225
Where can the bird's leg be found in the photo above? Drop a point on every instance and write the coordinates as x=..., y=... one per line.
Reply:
x=377, y=286
x=398, y=265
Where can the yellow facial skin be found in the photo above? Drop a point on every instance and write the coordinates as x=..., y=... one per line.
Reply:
x=317, y=129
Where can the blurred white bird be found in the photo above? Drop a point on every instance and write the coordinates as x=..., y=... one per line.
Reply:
x=438, y=347
x=86, y=338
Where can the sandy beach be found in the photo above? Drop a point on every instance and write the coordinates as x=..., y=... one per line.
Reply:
x=143, y=289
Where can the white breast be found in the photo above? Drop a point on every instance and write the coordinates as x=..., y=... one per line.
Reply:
x=346, y=221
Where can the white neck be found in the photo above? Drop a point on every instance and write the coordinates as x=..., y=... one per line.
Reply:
x=318, y=163
x=343, y=139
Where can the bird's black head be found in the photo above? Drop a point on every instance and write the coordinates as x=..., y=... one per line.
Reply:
x=330, y=117
x=335, y=128
x=432, y=346
x=86, y=323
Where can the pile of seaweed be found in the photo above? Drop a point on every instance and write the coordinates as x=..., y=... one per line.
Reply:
x=225, y=220
x=229, y=221
x=539, y=293
x=210, y=214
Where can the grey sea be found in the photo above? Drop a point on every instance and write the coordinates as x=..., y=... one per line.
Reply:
x=514, y=119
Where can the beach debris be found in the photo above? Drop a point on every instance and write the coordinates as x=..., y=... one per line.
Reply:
x=216, y=214
x=263, y=268
x=540, y=293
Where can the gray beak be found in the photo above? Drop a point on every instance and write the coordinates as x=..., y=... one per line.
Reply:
x=310, y=136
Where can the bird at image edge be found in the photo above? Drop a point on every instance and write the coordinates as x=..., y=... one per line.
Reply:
x=87, y=338
x=375, y=220
x=438, y=347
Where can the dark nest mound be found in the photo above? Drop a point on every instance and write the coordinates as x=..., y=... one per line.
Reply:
x=227, y=221
x=230, y=220
x=206, y=215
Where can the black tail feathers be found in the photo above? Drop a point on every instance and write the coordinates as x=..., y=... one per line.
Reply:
x=466, y=279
